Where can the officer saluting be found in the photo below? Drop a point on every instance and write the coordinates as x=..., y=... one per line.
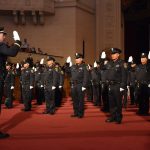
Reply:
x=4, y=52
x=117, y=78
x=79, y=79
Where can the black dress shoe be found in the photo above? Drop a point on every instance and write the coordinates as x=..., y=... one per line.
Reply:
x=110, y=120
x=3, y=135
x=45, y=112
x=80, y=116
x=74, y=115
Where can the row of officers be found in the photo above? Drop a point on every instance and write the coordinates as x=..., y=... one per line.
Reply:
x=109, y=84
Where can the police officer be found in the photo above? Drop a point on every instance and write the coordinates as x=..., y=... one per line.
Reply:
x=27, y=83
x=39, y=88
x=104, y=83
x=96, y=76
x=143, y=84
x=89, y=89
x=60, y=83
x=79, y=79
x=49, y=79
x=117, y=79
x=131, y=79
x=4, y=52
x=9, y=85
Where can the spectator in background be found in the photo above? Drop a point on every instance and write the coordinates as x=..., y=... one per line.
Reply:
x=25, y=46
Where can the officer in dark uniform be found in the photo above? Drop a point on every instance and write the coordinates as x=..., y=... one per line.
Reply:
x=27, y=83
x=89, y=89
x=49, y=79
x=117, y=78
x=104, y=85
x=60, y=83
x=39, y=88
x=131, y=81
x=96, y=76
x=4, y=52
x=143, y=84
x=79, y=80
x=9, y=85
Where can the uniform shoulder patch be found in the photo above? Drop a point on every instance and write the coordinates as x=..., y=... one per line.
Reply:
x=56, y=69
x=62, y=72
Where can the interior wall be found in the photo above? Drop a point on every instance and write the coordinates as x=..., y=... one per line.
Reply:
x=85, y=31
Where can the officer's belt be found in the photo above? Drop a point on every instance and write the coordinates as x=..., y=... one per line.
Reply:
x=25, y=83
x=95, y=82
x=112, y=82
x=75, y=82
x=141, y=82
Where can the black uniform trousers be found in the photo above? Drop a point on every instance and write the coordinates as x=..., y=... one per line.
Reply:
x=78, y=99
x=89, y=92
x=132, y=94
x=115, y=102
x=105, y=98
x=143, y=99
x=49, y=99
x=27, y=97
x=96, y=94
x=39, y=92
x=8, y=93
x=58, y=96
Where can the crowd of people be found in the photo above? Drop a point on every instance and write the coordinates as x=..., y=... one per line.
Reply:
x=109, y=83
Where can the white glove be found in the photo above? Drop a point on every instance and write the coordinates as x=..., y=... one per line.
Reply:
x=60, y=86
x=68, y=59
x=31, y=87
x=149, y=85
x=130, y=59
x=70, y=64
x=83, y=88
x=12, y=87
x=42, y=61
x=42, y=86
x=95, y=64
x=127, y=87
x=89, y=67
x=35, y=69
x=16, y=36
x=53, y=87
x=17, y=66
x=121, y=89
x=105, y=62
x=103, y=55
x=149, y=55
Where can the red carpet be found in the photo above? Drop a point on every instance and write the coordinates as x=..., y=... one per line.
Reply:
x=35, y=131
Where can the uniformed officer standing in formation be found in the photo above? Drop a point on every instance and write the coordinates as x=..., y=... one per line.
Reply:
x=39, y=88
x=104, y=83
x=27, y=83
x=131, y=80
x=4, y=52
x=117, y=78
x=79, y=80
x=49, y=79
x=96, y=76
x=59, y=85
x=9, y=85
x=143, y=85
